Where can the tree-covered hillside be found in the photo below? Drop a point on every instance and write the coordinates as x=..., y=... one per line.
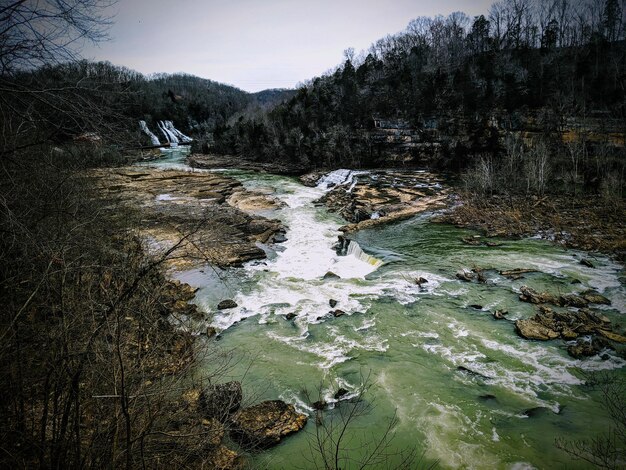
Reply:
x=458, y=83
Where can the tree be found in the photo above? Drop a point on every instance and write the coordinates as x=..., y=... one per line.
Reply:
x=612, y=19
x=41, y=103
x=48, y=31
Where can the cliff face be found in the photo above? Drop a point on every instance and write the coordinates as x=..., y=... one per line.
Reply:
x=437, y=139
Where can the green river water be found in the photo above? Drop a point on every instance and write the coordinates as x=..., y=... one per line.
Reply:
x=409, y=341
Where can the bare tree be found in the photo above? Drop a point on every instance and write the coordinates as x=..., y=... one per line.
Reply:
x=34, y=33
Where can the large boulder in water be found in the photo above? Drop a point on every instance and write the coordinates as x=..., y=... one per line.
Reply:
x=530, y=295
x=225, y=304
x=532, y=329
x=264, y=425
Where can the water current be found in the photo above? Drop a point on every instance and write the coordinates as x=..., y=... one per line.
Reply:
x=458, y=381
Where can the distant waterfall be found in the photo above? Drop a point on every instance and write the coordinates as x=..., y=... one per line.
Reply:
x=148, y=132
x=169, y=125
x=347, y=247
x=170, y=136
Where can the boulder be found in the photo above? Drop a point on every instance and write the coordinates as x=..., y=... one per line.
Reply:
x=340, y=393
x=499, y=314
x=290, y=316
x=319, y=405
x=532, y=329
x=594, y=297
x=222, y=458
x=226, y=304
x=332, y=303
x=612, y=336
x=586, y=262
x=530, y=295
x=581, y=349
x=219, y=401
x=337, y=313
x=465, y=275
x=210, y=332
x=264, y=425
x=331, y=275
x=572, y=300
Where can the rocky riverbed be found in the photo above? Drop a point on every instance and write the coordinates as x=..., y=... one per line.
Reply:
x=210, y=218
x=369, y=198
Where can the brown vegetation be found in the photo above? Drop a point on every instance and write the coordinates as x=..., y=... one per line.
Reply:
x=586, y=223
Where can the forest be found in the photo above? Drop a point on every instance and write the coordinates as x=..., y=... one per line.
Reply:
x=528, y=78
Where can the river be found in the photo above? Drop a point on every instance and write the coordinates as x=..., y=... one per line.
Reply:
x=406, y=341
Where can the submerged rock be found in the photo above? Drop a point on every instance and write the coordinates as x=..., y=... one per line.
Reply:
x=537, y=412
x=586, y=262
x=264, y=425
x=226, y=304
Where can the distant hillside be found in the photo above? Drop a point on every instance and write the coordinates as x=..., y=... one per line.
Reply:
x=273, y=96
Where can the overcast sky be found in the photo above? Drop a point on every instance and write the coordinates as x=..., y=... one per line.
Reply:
x=256, y=44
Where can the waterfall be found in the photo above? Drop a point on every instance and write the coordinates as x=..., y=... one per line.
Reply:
x=340, y=177
x=354, y=249
x=148, y=132
x=169, y=125
x=171, y=137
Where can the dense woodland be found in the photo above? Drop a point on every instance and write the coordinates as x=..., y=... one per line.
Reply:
x=472, y=85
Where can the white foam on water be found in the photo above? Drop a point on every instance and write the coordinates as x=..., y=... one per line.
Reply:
x=341, y=177
x=447, y=424
x=335, y=350
x=521, y=466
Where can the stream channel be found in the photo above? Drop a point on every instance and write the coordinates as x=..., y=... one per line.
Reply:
x=458, y=381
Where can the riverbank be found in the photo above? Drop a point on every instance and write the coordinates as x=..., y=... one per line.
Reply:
x=587, y=222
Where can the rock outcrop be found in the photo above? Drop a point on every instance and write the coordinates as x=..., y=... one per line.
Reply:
x=549, y=324
x=382, y=196
x=207, y=217
x=264, y=425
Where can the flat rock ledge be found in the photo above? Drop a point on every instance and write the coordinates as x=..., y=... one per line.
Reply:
x=214, y=215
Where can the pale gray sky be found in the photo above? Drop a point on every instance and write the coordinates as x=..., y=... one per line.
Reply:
x=256, y=44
